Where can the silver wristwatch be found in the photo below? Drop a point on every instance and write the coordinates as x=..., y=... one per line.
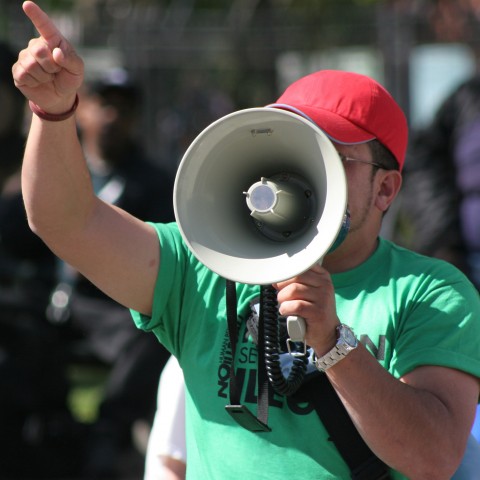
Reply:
x=346, y=342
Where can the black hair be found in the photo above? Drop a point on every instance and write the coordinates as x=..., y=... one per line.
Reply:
x=383, y=156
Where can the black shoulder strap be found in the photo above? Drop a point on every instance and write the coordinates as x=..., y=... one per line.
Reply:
x=240, y=413
x=363, y=463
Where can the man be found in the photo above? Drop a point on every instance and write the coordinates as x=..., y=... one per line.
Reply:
x=413, y=405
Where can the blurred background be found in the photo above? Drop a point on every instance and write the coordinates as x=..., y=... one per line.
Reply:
x=196, y=59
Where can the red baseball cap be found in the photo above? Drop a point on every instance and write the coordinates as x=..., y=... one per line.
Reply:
x=350, y=108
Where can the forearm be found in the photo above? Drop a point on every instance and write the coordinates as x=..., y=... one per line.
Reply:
x=56, y=183
x=409, y=428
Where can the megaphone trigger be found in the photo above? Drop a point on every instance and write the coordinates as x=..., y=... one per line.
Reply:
x=296, y=328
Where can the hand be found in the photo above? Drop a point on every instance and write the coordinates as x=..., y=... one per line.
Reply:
x=48, y=72
x=311, y=295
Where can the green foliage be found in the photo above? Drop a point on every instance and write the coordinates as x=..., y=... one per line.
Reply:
x=50, y=5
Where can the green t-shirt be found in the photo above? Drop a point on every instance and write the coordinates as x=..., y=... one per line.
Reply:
x=408, y=310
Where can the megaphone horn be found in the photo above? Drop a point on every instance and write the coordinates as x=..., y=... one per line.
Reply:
x=260, y=196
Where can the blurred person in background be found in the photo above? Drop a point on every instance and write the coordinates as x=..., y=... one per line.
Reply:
x=442, y=182
x=123, y=175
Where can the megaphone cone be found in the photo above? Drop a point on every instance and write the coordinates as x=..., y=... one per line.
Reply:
x=260, y=196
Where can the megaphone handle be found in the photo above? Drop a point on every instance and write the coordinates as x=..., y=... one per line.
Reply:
x=296, y=328
x=296, y=325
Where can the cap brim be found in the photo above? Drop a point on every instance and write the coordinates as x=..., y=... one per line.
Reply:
x=336, y=127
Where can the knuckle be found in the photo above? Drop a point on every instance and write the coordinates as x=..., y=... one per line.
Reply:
x=21, y=77
x=29, y=63
x=293, y=307
x=38, y=50
x=295, y=289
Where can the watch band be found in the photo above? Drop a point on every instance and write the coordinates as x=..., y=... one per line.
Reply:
x=346, y=342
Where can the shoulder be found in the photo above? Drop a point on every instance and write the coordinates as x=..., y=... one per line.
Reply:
x=168, y=235
x=414, y=261
x=428, y=275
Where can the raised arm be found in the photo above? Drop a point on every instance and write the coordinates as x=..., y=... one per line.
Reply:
x=116, y=251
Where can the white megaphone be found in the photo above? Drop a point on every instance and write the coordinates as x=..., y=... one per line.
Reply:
x=260, y=196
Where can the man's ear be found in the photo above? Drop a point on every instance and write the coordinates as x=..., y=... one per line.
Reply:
x=389, y=183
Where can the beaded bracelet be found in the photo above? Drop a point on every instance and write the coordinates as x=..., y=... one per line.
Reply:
x=53, y=117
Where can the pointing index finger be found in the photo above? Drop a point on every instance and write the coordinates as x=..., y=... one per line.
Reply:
x=44, y=25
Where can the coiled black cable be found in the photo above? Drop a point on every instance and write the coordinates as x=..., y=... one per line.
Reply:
x=284, y=386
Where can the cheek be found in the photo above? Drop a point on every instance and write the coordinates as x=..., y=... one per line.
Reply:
x=354, y=196
x=360, y=189
x=360, y=200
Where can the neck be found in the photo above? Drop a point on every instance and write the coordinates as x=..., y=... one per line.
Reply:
x=351, y=253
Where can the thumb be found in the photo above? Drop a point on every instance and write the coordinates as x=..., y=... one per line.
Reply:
x=69, y=77
x=66, y=57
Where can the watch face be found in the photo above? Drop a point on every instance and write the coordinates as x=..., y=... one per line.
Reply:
x=348, y=336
